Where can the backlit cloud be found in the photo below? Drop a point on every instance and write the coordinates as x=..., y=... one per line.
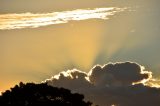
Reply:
x=122, y=84
x=118, y=74
x=31, y=20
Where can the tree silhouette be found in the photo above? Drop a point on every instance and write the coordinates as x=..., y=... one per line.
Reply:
x=31, y=94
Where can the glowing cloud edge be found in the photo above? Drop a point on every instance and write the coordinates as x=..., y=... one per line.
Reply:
x=150, y=81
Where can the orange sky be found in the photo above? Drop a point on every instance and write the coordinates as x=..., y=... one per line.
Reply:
x=34, y=54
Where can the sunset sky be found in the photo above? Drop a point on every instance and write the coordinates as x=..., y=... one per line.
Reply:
x=40, y=38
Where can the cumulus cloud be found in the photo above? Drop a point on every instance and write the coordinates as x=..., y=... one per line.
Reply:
x=31, y=20
x=118, y=74
x=119, y=84
x=72, y=79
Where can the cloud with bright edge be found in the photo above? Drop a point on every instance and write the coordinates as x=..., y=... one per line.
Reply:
x=121, y=83
x=31, y=20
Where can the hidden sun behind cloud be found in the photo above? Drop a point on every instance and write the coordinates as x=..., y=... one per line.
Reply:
x=121, y=83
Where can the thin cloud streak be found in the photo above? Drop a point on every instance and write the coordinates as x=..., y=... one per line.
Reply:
x=30, y=20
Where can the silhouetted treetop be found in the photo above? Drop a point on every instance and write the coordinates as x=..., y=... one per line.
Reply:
x=31, y=94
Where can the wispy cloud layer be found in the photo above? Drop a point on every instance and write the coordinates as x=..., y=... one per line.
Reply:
x=30, y=20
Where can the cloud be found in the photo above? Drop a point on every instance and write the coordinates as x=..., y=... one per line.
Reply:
x=153, y=83
x=72, y=79
x=30, y=20
x=118, y=74
x=119, y=84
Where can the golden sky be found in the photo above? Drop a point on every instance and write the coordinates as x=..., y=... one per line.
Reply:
x=39, y=38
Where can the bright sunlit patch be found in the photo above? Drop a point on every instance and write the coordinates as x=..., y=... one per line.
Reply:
x=144, y=81
x=150, y=81
x=30, y=20
x=153, y=83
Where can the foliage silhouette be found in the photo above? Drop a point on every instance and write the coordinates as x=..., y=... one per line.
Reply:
x=31, y=94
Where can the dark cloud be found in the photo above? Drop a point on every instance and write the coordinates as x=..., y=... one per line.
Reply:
x=119, y=84
x=118, y=74
x=71, y=79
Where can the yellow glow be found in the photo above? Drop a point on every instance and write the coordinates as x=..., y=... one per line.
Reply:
x=68, y=74
x=153, y=83
x=30, y=20
x=150, y=81
x=144, y=81
x=36, y=54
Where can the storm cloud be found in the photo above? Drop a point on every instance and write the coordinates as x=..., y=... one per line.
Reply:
x=119, y=84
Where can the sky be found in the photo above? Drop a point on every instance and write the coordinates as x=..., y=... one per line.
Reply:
x=40, y=38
